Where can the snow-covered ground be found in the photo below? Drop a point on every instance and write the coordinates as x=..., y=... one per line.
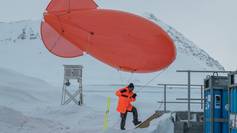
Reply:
x=31, y=79
x=30, y=105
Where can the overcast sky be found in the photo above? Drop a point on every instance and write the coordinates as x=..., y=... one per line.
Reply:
x=210, y=24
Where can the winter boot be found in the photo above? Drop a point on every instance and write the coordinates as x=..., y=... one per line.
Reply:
x=136, y=122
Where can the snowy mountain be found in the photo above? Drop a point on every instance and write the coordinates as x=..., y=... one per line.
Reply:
x=186, y=46
x=22, y=50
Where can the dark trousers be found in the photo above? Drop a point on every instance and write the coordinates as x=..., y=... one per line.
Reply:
x=124, y=116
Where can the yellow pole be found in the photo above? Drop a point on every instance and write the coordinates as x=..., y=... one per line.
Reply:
x=106, y=117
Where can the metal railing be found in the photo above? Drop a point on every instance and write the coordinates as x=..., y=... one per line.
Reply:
x=187, y=101
x=189, y=72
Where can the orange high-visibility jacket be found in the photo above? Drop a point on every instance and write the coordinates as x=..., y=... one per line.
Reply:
x=125, y=99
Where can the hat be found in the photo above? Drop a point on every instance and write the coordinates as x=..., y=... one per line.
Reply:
x=131, y=85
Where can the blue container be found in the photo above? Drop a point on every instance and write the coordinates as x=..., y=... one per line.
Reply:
x=217, y=110
x=216, y=98
x=207, y=111
x=225, y=112
x=233, y=102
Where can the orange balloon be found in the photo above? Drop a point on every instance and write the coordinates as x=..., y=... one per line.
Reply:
x=122, y=40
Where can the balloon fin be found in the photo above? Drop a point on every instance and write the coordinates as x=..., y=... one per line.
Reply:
x=67, y=5
x=57, y=44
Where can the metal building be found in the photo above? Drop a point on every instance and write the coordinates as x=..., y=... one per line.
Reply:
x=233, y=102
x=216, y=101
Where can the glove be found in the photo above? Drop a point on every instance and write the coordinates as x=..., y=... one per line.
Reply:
x=124, y=90
x=134, y=95
x=124, y=95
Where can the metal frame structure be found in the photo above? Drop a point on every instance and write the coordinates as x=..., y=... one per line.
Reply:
x=72, y=72
x=180, y=85
x=189, y=72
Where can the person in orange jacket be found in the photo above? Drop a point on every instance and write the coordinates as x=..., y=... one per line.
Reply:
x=126, y=97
